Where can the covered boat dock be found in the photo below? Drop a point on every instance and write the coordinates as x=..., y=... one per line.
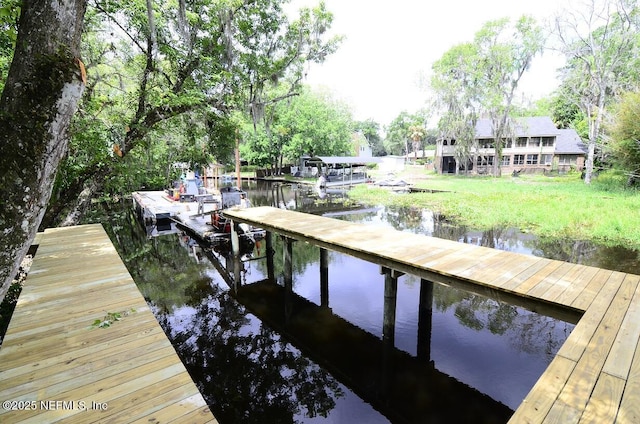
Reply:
x=338, y=170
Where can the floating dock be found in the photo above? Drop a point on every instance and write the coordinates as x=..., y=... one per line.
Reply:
x=83, y=346
x=153, y=206
x=595, y=376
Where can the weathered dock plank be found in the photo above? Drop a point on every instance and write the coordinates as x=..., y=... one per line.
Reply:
x=595, y=377
x=55, y=365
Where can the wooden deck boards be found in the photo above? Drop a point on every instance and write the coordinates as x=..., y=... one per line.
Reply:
x=595, y=377
x=52, y=353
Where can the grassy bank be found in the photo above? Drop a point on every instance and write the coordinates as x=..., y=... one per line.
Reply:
x=561, y=206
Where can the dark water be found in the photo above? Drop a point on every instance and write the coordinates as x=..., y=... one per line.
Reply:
x=456, y=357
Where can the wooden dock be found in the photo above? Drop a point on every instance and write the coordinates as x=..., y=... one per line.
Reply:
x=594, y=378
x=55, y=364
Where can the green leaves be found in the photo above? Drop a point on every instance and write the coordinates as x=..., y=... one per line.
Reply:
x=402, y=130
x=310, y=123
x=625, y=140
x=167, y=88
x=110, y=318
x=9, y=14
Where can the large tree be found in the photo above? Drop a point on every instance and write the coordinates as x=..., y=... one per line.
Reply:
x=43, y=86
x=482, y=77
x=600, y=41
x=310, y=123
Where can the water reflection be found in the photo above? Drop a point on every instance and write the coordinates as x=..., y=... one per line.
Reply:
x=246, y=371
x=403, y=387
x=254, y=366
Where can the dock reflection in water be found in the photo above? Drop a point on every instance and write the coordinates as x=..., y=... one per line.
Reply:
x=403, y=387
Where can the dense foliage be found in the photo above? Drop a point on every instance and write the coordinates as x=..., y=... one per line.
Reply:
x=9, y=13
x=406, y=132
x=175, y=84
x=308, y=124
x=625, y=140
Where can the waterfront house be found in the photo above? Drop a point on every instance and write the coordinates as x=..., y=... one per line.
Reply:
x=534, y=144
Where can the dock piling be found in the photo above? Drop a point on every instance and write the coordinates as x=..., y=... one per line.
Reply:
x=390, y=294
x=269, y=252
x=324, y=277
x=235, y=250
x=288, y=274
x=425, y=317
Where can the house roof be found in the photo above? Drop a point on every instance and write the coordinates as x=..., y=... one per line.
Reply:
x=529, y=126
x=569, y=142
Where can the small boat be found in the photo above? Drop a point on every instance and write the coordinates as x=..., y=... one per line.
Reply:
x=210, y=227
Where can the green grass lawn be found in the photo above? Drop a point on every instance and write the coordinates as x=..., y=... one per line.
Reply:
x=561, y=206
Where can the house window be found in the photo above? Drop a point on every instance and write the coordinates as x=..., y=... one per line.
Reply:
x=518, y=159
x=535, y=141
x=548, y=141
x=521, y=142
x=567, y=160
x=486, y=143
x=506, y=160
x=507, y=143
x=532, y=159
x=546, y=159
x=484, y=160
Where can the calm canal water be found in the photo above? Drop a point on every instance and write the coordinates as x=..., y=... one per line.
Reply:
x=457, y=356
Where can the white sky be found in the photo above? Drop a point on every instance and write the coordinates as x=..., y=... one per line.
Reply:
x=391, y=44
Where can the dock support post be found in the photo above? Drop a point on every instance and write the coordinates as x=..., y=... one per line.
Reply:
x=235, y=250
x=425, y=318
x=288, y=275
x=390, y=294
x=288, y=261
x=269, y=251
x=388, y=326
x=324, y=277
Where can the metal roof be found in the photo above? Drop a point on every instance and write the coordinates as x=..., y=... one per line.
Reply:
x=348, y=160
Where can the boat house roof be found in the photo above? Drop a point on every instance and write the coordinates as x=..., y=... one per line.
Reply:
x=344, y=160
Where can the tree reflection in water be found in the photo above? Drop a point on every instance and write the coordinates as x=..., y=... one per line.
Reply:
x=246, y=372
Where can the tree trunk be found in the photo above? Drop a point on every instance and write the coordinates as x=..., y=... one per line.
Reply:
x=42, y=90
x=594, y=132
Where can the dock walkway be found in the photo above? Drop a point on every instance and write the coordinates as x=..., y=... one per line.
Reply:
x=594, y=378
x=56, y=365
